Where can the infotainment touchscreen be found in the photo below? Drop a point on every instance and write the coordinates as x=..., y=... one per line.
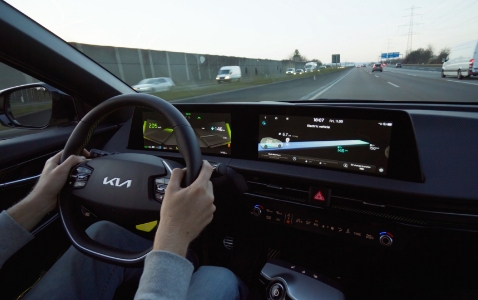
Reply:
x=347, y=144
x=213, y=132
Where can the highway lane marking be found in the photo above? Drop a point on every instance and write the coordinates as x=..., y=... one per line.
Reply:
x=393, y=84
x=236, y=90
x=376, y=76
x=462, y=82
x=411, y=75
x=327, y=86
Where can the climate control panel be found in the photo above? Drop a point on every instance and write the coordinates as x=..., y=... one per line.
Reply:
x=318, y=221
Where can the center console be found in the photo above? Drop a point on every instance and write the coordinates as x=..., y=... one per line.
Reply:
x=282, y=280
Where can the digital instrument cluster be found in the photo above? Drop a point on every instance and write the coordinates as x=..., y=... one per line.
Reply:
x=213, y=132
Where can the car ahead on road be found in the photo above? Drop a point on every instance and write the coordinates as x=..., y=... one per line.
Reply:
x=335, y=208
x=290, y=71
x=377, y=67
x=153, y=85
x=268, y=143
x=229, y=74
x=299, y=72
x=399, y=65
x=461, y=61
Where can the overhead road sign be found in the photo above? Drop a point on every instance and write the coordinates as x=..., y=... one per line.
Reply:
x=390, y=55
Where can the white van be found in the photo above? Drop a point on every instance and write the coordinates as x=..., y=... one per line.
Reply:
x=310, y=66
x=461, y=61
x=229, y=74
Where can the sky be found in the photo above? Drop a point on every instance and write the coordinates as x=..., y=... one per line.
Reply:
x=358, y=30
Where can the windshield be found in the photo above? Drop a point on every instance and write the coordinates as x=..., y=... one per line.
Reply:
x=134, y=47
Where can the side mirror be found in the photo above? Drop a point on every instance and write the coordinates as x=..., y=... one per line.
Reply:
x=34, y=105
x=443, y=60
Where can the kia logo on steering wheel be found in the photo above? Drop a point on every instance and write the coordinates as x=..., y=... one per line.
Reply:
x=116, y=182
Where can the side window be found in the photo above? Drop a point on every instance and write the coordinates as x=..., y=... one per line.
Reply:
x=161, y=80
x=23, y=101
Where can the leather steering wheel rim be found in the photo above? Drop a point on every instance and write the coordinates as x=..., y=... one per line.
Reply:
x=187, y=145
x=186, y=139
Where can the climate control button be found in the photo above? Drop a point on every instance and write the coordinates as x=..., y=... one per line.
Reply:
x=257, y=210
x=386, y=240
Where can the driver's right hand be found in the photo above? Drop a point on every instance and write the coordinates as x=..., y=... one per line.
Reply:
x=185, y=211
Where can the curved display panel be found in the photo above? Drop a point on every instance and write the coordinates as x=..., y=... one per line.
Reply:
x=347, y=144
x=377, y=142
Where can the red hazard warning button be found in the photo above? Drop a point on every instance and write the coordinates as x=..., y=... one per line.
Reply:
x=319, y=196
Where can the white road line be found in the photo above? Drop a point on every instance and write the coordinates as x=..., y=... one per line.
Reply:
x=462, y=82
x=329, y=86
x=376, y=76
x=411, y=75
x=393, y=84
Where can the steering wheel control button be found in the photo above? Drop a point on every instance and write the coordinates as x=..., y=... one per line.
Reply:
x=79, y=184
x=79, y=176
x=161, y=188
x=276, y=291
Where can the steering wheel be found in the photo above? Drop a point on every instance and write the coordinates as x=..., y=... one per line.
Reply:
x=121, y=185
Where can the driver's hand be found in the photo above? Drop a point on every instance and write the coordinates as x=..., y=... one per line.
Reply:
x=28, y=212
x=53, y=178
x=185, y=211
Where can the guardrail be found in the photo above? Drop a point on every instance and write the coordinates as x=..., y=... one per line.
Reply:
x=423, y=66
x=429, y=68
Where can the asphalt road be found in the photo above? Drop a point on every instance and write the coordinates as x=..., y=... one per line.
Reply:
x=403, y=85
x=297, y=89
x=393, y=84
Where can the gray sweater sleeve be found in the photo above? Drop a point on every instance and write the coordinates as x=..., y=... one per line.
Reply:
x=12, y=237
x=165, y=276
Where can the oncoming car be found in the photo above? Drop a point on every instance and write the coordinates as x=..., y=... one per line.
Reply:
x=290, y=71
x=299, y=72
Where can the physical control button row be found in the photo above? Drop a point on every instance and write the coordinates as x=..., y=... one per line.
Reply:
x=160, y=185
x=321, y=224
x=79, y=176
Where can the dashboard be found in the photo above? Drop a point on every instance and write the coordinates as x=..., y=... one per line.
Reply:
x=371, y=174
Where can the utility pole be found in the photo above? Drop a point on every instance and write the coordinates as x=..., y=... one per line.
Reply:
x=410, y=28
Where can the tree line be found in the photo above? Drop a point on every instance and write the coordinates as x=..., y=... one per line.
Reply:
x=426, y=56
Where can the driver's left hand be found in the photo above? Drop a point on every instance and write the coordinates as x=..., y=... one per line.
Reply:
x=53, y=178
